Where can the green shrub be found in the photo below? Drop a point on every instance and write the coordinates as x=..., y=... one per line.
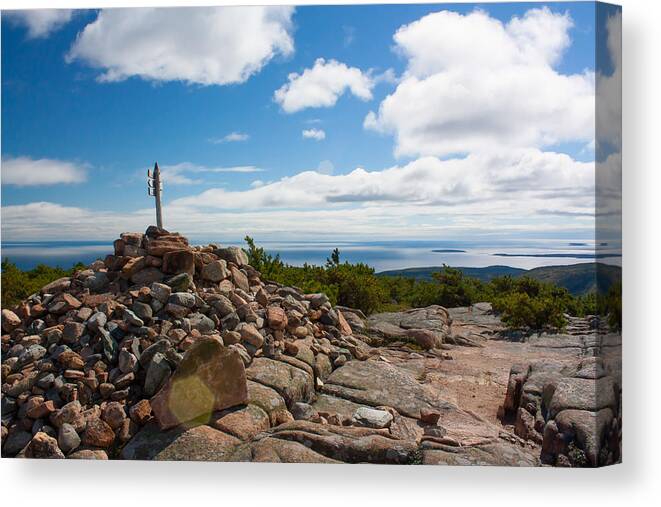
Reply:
x=526, y=303
x=17, y=284
x=610, y=306
x=520, y=311
x=357, y=286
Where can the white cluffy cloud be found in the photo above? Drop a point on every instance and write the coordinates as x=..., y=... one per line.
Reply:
x=316, y=134
x=202, y=45
x=40, y=23
x=25, y=171
x=181, y=174
x=473, y=83
x=322, y=85
x=233, y=137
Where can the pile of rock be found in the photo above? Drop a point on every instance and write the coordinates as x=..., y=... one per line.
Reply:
x=162, y=333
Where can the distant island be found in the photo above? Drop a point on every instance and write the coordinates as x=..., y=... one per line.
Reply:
x=562, y=255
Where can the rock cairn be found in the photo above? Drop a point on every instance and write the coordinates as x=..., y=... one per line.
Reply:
x=161, y=333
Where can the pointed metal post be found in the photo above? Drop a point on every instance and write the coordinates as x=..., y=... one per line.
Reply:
x=154, y=188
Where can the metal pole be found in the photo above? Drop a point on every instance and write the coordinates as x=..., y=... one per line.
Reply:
x=154, y=188
x=157, y=195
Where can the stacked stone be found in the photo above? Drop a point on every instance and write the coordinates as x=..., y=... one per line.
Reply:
x=91, y=359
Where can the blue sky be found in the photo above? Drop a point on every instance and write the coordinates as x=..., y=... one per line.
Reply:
x=101, y=135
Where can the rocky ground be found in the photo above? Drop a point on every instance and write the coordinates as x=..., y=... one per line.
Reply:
x=169, y=352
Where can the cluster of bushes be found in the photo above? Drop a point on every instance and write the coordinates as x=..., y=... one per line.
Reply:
x=611, y=305
x=18, y=284
x=523, y=303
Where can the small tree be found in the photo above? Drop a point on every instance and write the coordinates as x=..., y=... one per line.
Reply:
x=334, y=259
x=269, y=265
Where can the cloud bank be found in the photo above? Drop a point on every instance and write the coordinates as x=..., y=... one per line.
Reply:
x=525, y=175
x=486, y=194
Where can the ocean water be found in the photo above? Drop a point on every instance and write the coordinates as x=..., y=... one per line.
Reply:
x=382, y=255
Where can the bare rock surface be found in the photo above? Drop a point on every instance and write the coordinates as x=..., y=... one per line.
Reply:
x=276, y=450
x=201, y=443
x=499, y=454
x=426, y=327
x=570, y=405
x=377, y=383
x=348, y=444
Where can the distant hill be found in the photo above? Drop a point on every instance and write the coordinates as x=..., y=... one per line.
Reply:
x=576, y=278
x=483, y=274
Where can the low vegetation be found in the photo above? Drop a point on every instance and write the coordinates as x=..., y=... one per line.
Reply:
x=18, y=284
x=523, y=302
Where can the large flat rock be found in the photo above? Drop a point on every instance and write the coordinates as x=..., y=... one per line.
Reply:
x=581, y=394
x=276, y=450
x=292, y=383
x=348, y=444
x=376, y=383
x=201, y=443
x=397, y=326
x=335, y=405
x=479, y=314
x=497, y=453
x=269, y=401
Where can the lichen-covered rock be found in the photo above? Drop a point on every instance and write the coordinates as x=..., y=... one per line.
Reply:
x=232, y=254
x=10, y=321
x=426, y=327
x=215, y=271
x=43, y=446
x=348, y=444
